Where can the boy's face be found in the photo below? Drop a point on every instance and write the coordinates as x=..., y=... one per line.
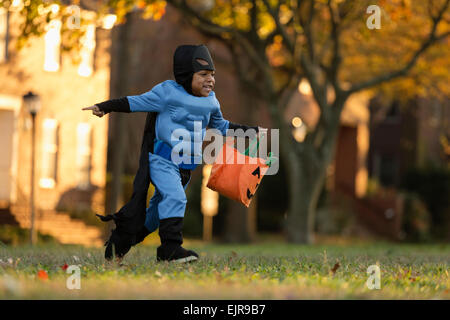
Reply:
x=203, y=82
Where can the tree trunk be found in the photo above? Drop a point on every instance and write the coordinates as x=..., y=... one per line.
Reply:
x=119, y=135
x=240, y=222
x=305, y=185
x=307, y=168
x=236, y=224
x=304, y=189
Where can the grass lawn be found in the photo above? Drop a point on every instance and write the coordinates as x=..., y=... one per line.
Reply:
x=258, y=271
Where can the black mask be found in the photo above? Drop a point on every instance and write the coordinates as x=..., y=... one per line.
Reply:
x=189, y=59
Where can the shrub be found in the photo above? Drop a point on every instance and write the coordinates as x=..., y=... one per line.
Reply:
x=432, y=185
x=416, y=222
x=14, y=235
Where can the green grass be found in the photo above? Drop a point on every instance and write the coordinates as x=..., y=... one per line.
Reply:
x=262, y=271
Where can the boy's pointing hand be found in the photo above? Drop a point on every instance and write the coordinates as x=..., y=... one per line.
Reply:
x=95, y=110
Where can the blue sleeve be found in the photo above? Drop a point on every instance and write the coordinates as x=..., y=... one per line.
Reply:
x=151, y=101
x=217, y=121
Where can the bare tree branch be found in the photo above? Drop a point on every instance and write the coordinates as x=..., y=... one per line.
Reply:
x=431, y=39
x=442, y=36
x=307, y=28
x=242, y=72
x=333, y=69
x=280, y=27
x=254, y=18
x=208, y=27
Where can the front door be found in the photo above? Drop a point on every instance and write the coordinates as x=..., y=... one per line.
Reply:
x=6, y=143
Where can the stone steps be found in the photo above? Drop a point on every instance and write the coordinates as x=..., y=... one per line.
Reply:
x=60, y=226
x=7, y=218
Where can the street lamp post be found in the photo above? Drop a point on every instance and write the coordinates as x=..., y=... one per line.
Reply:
x=32, y=103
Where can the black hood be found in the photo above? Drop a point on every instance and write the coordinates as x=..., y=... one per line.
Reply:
x=185, y=63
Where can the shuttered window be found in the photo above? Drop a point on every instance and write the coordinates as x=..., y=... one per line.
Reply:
x=52, y=46
x=86, y=66
x=3, y=35
x=83, y=161
x=49, y=153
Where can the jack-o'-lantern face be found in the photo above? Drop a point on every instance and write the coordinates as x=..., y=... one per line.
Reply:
x=250, y=179
x=256, y=173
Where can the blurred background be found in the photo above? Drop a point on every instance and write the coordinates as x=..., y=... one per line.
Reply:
x=363, y=112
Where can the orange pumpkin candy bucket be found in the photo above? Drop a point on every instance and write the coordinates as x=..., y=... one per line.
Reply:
x=237, y=180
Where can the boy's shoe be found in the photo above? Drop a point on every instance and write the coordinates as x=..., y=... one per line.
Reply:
x=175, y=252
x=170, y=232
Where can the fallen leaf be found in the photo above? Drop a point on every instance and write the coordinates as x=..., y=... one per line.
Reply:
x=42, y=274
x=336, y=266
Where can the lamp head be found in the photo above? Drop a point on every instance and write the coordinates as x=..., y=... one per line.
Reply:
x=32, y=103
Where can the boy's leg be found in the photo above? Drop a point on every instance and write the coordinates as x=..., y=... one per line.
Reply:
x=152, y=217
x=166, y=177
x=122, y=246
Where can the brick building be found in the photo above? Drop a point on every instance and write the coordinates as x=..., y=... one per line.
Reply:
x=407, y=135
x=71, y=145
x=70, y=139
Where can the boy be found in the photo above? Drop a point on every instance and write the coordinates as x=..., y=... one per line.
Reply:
x=171, y=105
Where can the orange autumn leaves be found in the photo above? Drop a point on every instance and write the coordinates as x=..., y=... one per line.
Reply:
x=150, y=9
x=43, y=275
x=155, y=10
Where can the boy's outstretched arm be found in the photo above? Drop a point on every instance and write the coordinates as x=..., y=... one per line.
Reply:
x=151, y=101
x=116, y=105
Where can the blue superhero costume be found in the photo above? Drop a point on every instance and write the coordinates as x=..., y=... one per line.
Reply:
x=170, y=105
x=176, y=109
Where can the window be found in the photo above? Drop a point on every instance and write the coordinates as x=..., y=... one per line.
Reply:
x=386, y=169
x=84, y=142
x=87, y=52
x=52, y=46
x=49, y=153
x=3, y=35
x=393, y=113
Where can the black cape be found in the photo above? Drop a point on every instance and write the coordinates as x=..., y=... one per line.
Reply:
x=131, y=217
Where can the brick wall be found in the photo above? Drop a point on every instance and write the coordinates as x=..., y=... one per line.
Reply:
x=63, y=93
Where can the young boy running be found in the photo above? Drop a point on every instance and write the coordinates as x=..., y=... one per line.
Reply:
x=175, y=105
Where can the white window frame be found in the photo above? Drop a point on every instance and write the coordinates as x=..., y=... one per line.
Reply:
x=49, y=158
x=83, y=157
x=52, y=40
x=86, y=67
x=4, y=25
